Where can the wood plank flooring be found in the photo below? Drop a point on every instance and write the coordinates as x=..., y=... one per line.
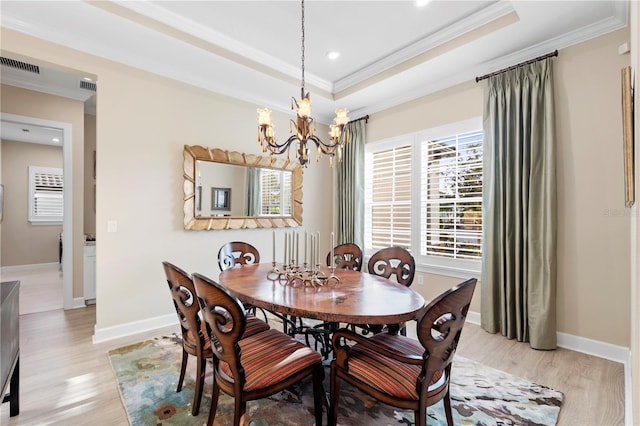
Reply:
x=40, y=287
x=67, y=380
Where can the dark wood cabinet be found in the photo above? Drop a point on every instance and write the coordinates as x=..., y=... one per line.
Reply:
x=10, y=345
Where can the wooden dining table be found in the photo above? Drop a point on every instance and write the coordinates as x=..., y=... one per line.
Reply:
x=357, y=298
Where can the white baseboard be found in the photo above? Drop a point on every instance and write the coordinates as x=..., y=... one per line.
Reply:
x=135, y=327
x=18, y=268
x=580, y=344
x=78, y=302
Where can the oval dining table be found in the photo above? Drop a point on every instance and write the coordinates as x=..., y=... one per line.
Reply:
x=358, y=298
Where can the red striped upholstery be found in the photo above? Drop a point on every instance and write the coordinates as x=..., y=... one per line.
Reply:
x=254, y=326
x=387, y=375
x=267, y=358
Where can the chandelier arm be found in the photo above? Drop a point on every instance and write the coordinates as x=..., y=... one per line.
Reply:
x=326, y=148
x=279, y=148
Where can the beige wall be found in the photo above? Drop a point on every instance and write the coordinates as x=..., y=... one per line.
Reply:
x=593, y=226
x=143, y=121
x=89, y=225
x=39, y=105
x=22, y=242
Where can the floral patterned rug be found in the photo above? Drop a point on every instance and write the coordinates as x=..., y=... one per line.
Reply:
x=147, y=375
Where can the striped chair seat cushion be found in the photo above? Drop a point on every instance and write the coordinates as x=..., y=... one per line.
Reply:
x=254, y=326
x=270, y=357
x=385, y=374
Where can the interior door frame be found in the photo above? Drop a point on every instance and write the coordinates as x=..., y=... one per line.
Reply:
x=67, y=173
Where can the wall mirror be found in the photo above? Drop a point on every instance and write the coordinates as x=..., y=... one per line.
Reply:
x=232, y=190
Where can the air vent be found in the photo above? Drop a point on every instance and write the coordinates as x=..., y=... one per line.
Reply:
x=88, y=85
x=20, y=65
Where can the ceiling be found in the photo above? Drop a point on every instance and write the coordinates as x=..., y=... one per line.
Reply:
x=391, y=52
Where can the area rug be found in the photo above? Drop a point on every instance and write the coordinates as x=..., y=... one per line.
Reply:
x=147, y=375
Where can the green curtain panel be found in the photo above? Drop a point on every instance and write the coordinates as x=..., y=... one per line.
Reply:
x=253, y=192
x=349, y=204
x=519, y=203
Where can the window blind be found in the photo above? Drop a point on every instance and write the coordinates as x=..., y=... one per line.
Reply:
x=451, y=196
x=388, y=196
x=46, y=194
x=273, y=183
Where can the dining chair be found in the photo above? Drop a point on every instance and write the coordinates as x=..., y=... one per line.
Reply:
x=398, y=370
x=195, y=337
x=240, y=253
x=346, y=256
x=395, y=261
x=391, y=263
x=254, y=367
x=237, y=252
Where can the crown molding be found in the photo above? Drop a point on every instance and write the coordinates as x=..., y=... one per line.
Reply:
x=475, y=21
x=586, y=33
x=215, y=38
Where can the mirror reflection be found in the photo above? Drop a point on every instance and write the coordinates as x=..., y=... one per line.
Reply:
x=233, y=190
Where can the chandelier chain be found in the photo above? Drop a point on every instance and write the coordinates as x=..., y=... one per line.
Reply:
x=302, y=45
x=303, y=127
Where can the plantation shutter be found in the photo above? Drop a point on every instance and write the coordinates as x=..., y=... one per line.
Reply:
x=388, y=183
x=451, y=208
x=273, y=184
x=46, y=195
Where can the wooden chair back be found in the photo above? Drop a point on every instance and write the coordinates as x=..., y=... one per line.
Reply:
x=394, y=261
x=195, y=339
x=439, y=327
x=346, y=256
x=185, y=301
x=399, y=371
x=237, y=252
x=273, y=360
x=226, y=318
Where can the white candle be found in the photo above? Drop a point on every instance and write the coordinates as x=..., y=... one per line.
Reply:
x=305, y=247
x=297, y=248
x=318, y=251
x=312, y=245
x=332, y=245
x=285, y=248
x=274, y=248
x=291, y=247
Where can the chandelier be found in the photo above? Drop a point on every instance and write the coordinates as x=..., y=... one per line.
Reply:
x=303, y=128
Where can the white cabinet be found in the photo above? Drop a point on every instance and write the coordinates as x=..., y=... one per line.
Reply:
x=90, y=274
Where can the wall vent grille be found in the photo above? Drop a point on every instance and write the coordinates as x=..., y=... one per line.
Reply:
x=88, y=85
x=20, y=65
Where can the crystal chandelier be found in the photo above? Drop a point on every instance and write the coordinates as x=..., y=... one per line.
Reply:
x=304, y=127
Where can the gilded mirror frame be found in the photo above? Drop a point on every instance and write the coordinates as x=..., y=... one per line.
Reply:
x=193, y=153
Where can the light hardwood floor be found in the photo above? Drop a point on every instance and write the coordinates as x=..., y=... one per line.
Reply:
x=67, y=380
x=40, y=287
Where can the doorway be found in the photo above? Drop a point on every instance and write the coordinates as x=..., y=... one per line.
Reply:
x=66, y=258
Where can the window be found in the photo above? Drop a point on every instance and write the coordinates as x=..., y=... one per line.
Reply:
x=273, y=183
x=424, y=192
x=389, y=197
x=46, y=195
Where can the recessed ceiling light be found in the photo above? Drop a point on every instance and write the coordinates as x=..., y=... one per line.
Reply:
x=333, y=55
x=422, y=3
x=87, y=79
x=55, y=140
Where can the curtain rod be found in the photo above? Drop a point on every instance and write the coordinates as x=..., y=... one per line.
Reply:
x=365, y=118
x=530, y=61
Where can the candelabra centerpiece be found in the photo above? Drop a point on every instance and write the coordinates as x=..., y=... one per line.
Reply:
x=305, y=274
